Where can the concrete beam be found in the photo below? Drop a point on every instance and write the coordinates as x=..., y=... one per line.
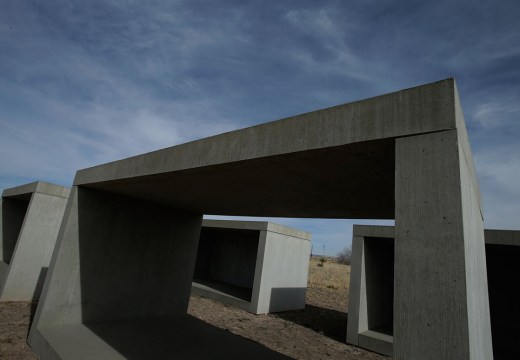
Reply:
x=31, y=215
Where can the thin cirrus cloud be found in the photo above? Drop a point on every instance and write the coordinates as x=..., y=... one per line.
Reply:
x=88, y=82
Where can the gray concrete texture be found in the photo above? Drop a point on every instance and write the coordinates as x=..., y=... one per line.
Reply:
x=372, y=278
x=31, y=215
x=403, y=155
x=260, y=267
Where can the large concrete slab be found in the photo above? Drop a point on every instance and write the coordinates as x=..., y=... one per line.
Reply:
x=372, y=289
x=367, y=159
x=31, y=215
x=260, y=267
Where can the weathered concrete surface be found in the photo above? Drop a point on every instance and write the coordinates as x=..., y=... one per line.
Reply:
x=350, y=161
x=260, y=267
x=502, y=257
x=437, y=208
x=31, y=215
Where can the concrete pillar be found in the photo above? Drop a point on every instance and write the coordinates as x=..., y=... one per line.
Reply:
x=441, y=308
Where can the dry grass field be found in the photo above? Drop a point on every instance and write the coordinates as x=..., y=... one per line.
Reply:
x=317, y=332
x=331, y=275
x=328, y=285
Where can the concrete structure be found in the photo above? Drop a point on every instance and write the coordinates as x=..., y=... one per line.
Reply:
x=371, y=295
x=126, y=250
x=30, y=219
x=260, y=267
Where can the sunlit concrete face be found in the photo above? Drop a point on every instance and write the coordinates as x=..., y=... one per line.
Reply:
x=260, y=267
x=403, y=155
x=30, y=215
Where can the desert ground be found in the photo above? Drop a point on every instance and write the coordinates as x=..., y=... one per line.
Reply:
x=317, y=332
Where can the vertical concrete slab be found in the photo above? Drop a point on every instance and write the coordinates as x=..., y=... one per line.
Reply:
x=31, y=217
x=357, y=321
x=285, y=266
x=474, y=246
x=440, y=306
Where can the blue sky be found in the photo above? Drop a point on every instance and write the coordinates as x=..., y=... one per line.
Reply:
x=88, y=82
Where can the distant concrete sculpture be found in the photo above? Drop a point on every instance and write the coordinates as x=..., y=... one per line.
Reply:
x=260, y=267
x=30, y=219
x=371, y=294
x=127, y=248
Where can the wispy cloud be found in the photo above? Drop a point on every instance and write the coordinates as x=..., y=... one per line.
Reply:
x=87, y=82
x=502, y=112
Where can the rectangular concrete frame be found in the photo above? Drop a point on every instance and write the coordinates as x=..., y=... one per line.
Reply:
x=403, y=156
x=373, y=296
x=260, y=267
x=30, y=217
x=372, y=275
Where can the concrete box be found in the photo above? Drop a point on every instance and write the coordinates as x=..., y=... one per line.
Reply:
x=127, y=246
x=371, y=298
x=30, y=219
x=260, y=267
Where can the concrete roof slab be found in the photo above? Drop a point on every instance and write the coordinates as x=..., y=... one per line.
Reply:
x=331, y=163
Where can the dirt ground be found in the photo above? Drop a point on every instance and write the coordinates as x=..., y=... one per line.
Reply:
x=317, y=332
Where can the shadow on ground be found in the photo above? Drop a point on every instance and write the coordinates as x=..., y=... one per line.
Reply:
x=183, y=337
x=330, y=323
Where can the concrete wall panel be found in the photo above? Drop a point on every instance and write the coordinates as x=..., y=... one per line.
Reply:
x=284, y=273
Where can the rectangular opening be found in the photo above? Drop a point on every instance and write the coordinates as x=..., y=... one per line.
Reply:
x=226, y=261
x=379, y=274
x=503, y=269
x=13, y=215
